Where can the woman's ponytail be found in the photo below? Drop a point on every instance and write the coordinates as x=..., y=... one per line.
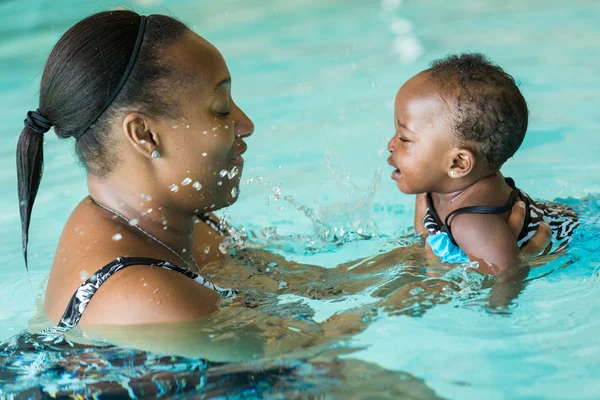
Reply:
x=30, y=165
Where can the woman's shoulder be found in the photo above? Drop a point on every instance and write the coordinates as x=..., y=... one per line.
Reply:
x=136, y=294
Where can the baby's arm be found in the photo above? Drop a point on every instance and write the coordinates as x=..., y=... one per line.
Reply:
x=488, y=239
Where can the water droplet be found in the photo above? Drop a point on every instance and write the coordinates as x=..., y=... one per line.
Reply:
x=186, y=181
x=149, y=211
x=259, y=179
x=205, y=133
x=277, y=192
x=219, y=183
x=117, y=237
x=165, y=228
x=279, y=167
x=249, y=181
x=145, y=284
x=301, y=148
x=212, y=206
x=214, y=129
x=226, y=126
x=223, y=173
x=183, y=250
x=223, y=248
x=174, y=127
x=196, y=185
x=155, y=291
x=206, y=250
x=234, y=192
x=142, y=141
x=134, y=222
x=146, y=196
x=234, y=171
x=203, y=154
x=187, y=127
x=164, y=222
x=84, y=275
x=173, y=187
x=273, y=127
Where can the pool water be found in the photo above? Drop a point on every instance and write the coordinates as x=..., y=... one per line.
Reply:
x=318, y=78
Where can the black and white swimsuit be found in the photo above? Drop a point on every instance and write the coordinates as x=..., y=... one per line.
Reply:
x=86, y=291
x=562, y=221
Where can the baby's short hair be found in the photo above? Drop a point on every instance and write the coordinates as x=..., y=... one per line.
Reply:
x=488, y=108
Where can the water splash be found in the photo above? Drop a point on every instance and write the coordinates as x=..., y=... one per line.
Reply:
x=333, y=224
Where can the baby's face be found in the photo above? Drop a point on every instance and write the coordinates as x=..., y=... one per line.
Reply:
x=421, y=146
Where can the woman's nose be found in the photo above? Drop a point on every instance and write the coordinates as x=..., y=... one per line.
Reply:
x=244, y=126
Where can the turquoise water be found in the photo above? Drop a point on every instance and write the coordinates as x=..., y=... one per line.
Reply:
x=319, y=78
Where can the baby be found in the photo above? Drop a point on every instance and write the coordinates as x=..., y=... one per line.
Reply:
x=456, y=125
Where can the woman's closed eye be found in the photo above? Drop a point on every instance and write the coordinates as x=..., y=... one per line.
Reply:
x=403, y=139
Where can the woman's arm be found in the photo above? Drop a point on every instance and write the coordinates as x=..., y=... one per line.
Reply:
x=264, y=270
x=231, y=334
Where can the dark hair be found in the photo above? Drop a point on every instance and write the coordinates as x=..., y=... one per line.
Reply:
x=488, y=108
x=82, y=71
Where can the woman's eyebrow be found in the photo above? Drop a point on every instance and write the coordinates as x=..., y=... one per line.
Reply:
x=226, y=81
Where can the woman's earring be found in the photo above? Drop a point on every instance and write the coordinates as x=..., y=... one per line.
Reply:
x=155, y=154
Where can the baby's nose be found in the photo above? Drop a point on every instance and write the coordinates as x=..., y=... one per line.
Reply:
x=391, y=145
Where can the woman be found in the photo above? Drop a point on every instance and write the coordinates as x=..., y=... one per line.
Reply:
x=149, y=104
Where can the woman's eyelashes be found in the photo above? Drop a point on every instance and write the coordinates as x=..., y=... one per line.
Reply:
x=403, y=139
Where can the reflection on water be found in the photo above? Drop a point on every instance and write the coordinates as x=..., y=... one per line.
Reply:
x=31, y=368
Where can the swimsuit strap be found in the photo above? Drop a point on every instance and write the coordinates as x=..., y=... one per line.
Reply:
x=514, y=196
x=86, y=291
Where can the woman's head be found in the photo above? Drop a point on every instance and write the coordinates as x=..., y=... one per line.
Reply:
x=177, y=89
x=462, y=118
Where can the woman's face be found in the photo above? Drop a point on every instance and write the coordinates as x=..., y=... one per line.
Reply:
x=201, y=151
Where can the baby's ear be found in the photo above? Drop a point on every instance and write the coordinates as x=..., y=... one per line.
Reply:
x=462, y=162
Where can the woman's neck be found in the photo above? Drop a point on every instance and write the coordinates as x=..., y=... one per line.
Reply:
x=142, y=208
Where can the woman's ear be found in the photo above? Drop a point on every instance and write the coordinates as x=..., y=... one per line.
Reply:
x=462, y=163
x=138, y=131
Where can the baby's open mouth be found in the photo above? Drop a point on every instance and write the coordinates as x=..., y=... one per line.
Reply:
x=396, y=173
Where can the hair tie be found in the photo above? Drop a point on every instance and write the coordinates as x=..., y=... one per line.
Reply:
x=37, y=122
x=134, y=54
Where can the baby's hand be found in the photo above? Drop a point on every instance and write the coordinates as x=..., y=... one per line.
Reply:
x=539, y=241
